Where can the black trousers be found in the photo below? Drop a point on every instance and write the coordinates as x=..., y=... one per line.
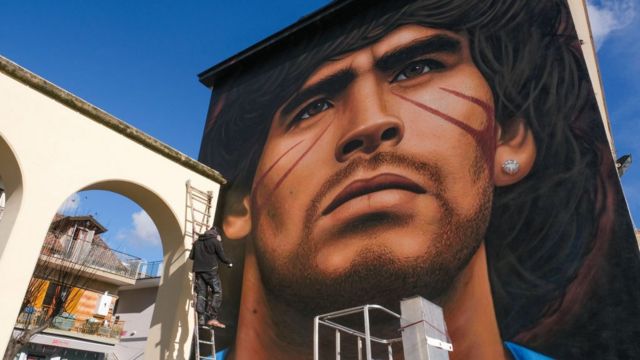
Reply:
x=208, y=280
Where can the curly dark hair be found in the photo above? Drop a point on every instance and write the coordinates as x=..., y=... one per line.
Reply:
x=564, y=271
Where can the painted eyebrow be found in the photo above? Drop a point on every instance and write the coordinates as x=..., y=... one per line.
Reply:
x=330, y=85
x=335, y=83
x=435, y=44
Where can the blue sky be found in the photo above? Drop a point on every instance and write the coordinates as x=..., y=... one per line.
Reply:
x=138, y=60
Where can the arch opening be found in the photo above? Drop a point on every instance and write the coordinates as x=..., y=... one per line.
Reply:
x=10, y=191
x=105, y=268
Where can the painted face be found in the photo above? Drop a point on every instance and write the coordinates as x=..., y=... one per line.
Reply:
x=376, y=174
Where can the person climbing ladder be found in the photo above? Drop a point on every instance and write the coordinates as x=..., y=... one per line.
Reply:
x=206, y=254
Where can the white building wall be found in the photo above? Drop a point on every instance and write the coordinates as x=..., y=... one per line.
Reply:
x=41, y=129
x=135, y=307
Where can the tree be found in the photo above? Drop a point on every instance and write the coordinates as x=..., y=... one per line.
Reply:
x=61, y=271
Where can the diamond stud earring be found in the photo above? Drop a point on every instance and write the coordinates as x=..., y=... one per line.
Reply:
x=511, y=167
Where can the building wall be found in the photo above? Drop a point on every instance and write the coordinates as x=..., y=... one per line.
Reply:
x=34, y=111
x=135, y=307
x=2, y=198
x=347, y=107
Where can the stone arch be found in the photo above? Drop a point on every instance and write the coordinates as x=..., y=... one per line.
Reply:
x=174, y=294
x=153, y=204
x=11, y=176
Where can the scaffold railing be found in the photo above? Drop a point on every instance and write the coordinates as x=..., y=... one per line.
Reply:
x=420, y=328
x=366, y=336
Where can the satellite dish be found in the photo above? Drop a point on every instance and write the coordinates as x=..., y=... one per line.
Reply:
x=623, y=163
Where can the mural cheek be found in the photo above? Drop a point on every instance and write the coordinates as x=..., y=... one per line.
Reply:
x=285, y=187
x=472, y=115
x=309, y=151
x=419, y=239
x=265, y=176
x=280, y=159
x=466, y=197
x=276, y=235
x=455, y=153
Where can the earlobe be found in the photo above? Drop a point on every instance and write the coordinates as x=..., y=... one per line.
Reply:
x=238, y=226
x=515, y=154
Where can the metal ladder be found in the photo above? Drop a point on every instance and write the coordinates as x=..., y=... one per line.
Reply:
x=199, y=217
x=198, y=203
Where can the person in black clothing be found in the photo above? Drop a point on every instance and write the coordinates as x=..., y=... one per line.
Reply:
x=205, y=253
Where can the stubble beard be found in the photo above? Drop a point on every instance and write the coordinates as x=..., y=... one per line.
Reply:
x=296, y=289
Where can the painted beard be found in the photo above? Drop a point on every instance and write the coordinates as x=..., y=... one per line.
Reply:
x=375, y=275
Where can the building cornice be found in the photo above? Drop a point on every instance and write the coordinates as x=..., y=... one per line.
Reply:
x=100, y=116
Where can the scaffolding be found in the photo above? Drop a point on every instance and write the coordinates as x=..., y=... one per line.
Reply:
x=423, y=333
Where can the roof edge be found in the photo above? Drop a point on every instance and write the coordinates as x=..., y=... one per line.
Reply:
x=209, y=76
x=72, y=101
x=89, y=218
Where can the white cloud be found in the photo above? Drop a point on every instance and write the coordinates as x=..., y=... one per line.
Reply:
x=142, y=232
x=608, y=16
x=144, y=229
x=121, y=234
x=70, y=204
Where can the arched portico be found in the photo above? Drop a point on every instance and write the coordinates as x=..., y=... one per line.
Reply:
x=11, y=176
x=63, y=145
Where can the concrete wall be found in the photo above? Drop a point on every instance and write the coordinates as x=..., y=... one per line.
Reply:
x=135, y=307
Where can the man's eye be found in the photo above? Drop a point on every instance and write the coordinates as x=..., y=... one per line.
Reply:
x=418, y=68
x=313, y=109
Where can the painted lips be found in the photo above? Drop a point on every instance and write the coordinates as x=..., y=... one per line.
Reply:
x=367, y=186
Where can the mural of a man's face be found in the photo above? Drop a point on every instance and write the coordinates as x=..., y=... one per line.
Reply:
x=377, y=175
x=364, y=149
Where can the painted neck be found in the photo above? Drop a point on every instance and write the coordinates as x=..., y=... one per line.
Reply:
x=470, y=316
x=468, y=311
x=257, y=335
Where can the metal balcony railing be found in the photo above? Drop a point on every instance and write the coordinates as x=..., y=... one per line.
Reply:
x=151, y=269
x=32, y=317
x=94, y=255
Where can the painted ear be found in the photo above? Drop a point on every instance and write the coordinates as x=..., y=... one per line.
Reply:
x=515, y=153
x=237, y=225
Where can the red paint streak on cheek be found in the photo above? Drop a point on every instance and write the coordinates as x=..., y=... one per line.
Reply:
x=295, y=164
x=485, y=137
x=257, y=187
x=258, y=183
x=304, y=154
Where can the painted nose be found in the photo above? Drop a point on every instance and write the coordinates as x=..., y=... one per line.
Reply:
x=370, y=137
x=369, y=125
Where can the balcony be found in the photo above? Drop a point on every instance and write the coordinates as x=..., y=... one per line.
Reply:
x=152, y=269
x=98, y=330
x=98, y=260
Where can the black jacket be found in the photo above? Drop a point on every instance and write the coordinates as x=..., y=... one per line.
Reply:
x=206, y=252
